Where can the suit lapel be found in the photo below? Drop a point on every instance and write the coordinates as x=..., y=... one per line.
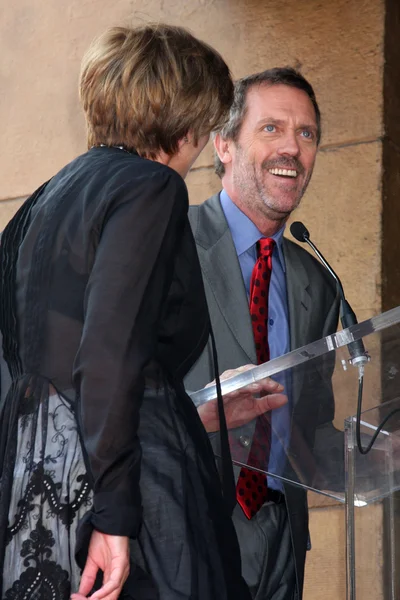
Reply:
x=299, y=299
x=300, y=310
x=222, y=271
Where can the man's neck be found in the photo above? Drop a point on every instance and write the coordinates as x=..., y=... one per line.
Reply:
x=267, y=226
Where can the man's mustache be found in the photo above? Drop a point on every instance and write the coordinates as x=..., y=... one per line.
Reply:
x=283, y=163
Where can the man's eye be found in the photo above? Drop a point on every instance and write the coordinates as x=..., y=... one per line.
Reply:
x=270, y=128
x=307, y=134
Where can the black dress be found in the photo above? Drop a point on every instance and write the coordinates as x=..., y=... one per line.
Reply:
x=102, y=314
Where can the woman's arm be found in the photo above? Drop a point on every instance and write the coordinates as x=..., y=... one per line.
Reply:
x=119, y=337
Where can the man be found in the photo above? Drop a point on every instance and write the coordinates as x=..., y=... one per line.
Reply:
x=265, y=158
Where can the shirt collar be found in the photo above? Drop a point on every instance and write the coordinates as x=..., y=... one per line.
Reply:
x=245, y=234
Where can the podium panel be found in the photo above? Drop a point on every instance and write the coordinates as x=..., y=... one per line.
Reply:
x=305, y=439
x=337, y=435
x=377, y=473
x=372, y=478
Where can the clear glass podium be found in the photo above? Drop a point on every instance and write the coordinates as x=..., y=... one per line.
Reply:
x=314, y=441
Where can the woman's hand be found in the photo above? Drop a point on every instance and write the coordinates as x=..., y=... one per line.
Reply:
x=241, y=406
x=110, y=553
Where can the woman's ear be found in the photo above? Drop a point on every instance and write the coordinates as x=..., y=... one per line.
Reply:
x=186, y=139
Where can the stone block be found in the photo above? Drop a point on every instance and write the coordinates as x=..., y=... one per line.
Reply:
x=342, y=210
x=326, y=562
x=338, y=46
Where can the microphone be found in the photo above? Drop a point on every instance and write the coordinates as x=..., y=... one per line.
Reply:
x=347, y=316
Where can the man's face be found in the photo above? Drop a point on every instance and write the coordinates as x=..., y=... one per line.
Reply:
x=273, y=157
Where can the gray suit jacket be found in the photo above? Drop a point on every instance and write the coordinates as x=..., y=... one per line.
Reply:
x=313, y=313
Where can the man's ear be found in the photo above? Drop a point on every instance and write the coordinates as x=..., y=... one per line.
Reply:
x=223, y=149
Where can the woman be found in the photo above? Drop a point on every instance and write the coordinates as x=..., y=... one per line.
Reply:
x=102, y=314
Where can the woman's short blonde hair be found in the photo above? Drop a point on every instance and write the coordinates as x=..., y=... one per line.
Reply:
x=145, y=88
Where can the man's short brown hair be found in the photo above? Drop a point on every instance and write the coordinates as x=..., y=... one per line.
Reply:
x=276, y=76
x=145, y=88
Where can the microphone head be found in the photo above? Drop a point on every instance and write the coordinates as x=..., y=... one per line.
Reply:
x=299, y=231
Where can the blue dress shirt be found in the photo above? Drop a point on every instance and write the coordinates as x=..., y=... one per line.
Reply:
x=245, y=236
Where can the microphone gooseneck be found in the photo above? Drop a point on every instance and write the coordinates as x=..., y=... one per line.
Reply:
x=358, y=356
x=347, y=316
x=300, y=232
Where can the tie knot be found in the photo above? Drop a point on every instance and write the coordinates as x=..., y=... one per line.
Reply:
x=265, y=247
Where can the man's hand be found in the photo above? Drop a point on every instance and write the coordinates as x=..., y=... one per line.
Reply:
x=110, y=553
x=241, y=406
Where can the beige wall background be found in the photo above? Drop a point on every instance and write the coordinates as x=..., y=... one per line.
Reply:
x=340, y=45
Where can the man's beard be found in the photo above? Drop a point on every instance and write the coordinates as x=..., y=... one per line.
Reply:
x=254, y=192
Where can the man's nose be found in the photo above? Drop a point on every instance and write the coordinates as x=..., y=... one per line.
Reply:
x=289, y=145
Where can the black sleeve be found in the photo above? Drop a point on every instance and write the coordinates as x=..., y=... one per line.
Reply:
x=119, y=337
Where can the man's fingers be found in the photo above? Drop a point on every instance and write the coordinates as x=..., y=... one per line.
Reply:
x=225, y=375
x=244, y=368
x=270, y=402
x=265, y=386
x=232, y=372
x=268, y=385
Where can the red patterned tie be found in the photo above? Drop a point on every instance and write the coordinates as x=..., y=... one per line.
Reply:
x=251, y=489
